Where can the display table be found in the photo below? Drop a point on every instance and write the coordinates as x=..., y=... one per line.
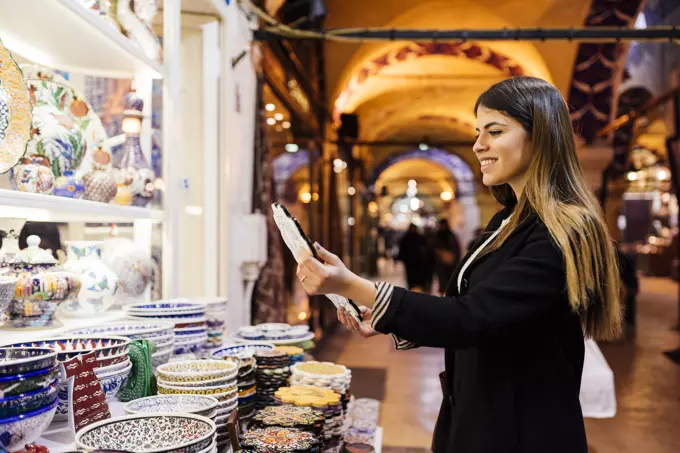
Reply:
x=598, y=394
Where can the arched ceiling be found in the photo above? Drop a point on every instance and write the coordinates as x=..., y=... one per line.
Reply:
x=432, y=179
x=397, y=86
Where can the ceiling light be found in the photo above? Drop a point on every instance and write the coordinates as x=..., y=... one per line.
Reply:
x=278, y=116
x=423, y=147
x=286, y=125
x=351, y=190
x=351, y=221
x=411, y=191
x=271, y=121
x=292, y=148
x=270, y=107
x=412, y=183
x=415, y=204
x=446, y=195
x=305, y=197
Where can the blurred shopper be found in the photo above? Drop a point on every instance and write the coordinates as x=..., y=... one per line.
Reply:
x=514, y=318
x=412, y=254
x=446, y=253
x=430, y=259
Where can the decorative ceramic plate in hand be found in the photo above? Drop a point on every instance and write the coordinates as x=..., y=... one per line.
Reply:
x=65, y=128
x=15, y=112
x=302, y=247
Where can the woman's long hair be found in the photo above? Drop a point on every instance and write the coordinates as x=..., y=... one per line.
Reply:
x=556, y=190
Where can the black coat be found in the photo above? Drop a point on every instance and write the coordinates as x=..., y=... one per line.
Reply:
x=514, y=348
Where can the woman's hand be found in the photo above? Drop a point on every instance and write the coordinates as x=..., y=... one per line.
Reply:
x=364, y=328
x=329, y=277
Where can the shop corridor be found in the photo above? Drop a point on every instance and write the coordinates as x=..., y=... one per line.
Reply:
x=647, y=383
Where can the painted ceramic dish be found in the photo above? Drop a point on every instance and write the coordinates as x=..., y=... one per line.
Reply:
x=131, y=329
x=279, y=439
x=64, y=126
x=190, y=404
x=198, y=370
x=16, y=384
x=156, y=433
x=71, y=346
x=15, y=112
x=24, y=403
x=26, y=360
x=240, y=350
x=24, y=429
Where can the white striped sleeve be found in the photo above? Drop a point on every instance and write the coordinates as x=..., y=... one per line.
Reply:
x=383, y=297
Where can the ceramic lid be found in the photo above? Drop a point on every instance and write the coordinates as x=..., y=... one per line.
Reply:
x=33, y=254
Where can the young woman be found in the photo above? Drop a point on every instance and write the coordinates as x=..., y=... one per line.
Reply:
x=513, y=319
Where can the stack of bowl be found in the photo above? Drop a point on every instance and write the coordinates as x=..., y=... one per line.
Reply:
x=28, y=385
x=324, y=374
x=159, y=333
x=274, y=332
x=191, y=331
x=113, y=368
x=216, y=314
x=157, y=432
x=216, y=378
x=247, y=384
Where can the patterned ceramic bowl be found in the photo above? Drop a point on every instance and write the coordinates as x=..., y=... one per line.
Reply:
x=189, y=404
x=152, y=433
x=164, y=308
x=134, y=330
x=197, y=370
x=242, y=350
x=71, y=346
x=112, y=360
x=111, y=369
x=273, y=327
x=25, y=428
x=16, y=384
x=112, y=383
x=28, y=402
x=223, y=393
x=220, y=382
x=25, y=360
x=161, y=357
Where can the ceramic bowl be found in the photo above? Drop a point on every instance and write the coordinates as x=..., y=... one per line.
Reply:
x=25, y=360
x=111, y=369
x=273, y=327
x=15, y=432
x=187, y=348
x=222, y=393
x=112, y=360
x=220, y=382
x=25, y=314
x=112, y=383
x=190, y=404
x=197, y=370
x=24, y=403
x=149, y=433
x=164, y=308
x=161, y=357
x=16, y=384
x=243, y=350
x=134, y=330
x=71, y=346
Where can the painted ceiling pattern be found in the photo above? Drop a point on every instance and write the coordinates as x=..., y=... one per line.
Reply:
x=596, y=68
x=469, y=50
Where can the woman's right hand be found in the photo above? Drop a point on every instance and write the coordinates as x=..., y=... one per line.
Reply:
x=364, y=328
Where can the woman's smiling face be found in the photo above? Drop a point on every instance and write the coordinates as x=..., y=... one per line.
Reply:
x=503, y=148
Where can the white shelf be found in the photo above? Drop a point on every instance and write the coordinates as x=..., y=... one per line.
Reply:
x=12, y=336
x=51, y=208
x=65, y=35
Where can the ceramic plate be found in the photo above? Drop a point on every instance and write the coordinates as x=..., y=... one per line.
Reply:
x=301, y=247
x=153, y=433
x=190, y=404
x=15, y=112
x=240, y=350
x=65, y=129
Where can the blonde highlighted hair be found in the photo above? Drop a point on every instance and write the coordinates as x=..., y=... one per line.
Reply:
x=556, y=190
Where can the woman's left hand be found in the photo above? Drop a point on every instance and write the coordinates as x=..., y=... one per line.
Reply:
x=329, y=277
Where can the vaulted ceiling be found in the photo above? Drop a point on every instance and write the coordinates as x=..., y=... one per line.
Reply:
x=426, y=91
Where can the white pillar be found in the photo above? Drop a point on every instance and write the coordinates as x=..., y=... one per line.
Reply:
x=211, y=156
x=172, y=144
x=237, y=160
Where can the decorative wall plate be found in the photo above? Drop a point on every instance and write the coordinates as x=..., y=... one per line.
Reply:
x=15, y=112
x=302, y=247
x=65, y=129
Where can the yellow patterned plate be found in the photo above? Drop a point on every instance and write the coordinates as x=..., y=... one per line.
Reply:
x=15, y=112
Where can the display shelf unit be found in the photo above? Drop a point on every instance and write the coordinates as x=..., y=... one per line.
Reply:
x=65, y=35
x=50, y=208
